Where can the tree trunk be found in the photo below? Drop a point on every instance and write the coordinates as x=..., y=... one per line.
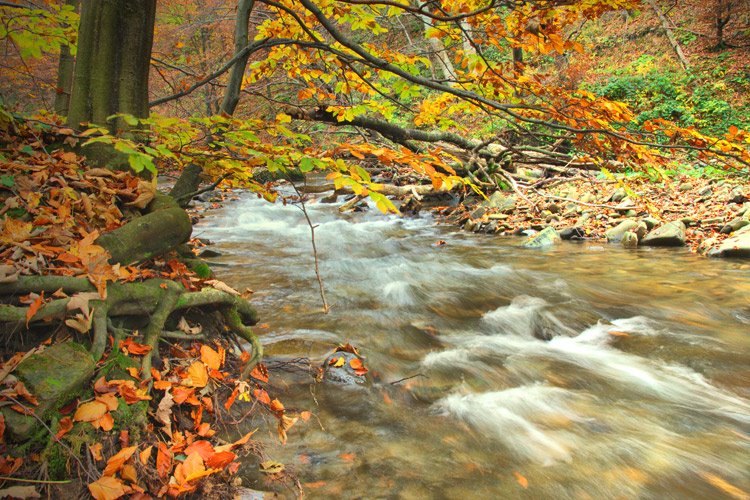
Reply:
x=65, y=66
x=113, y=60
x=232, y=93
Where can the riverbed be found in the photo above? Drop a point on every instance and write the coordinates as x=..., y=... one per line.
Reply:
x=579, y=371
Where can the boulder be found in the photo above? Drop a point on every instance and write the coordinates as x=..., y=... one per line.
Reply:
x=572, y=233
x=619, y=195
x=54, y=376
x=650, y=222
x=337, y=369
x=545, y=238
x=616, y=233
x=671, y=234
x=735, y=246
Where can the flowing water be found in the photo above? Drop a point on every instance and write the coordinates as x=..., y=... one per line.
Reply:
x=575, y=372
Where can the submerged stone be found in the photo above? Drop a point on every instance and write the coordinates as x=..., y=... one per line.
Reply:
x=545, y=238
x=54, y=376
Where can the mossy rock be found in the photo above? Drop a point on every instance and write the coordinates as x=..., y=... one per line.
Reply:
x=54, y=376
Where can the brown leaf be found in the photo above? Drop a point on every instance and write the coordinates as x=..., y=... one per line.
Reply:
x=221, y=286
x=115, y=463
x=8, y=274
x=132, y=347
x=185, y=327
x=285, y=423
x=21, y=492
x=22, y=391
x=145, y=455
x=164, y=411
x=260, y=372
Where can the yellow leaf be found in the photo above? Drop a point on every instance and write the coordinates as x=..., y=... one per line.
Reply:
x=210, y=357
x=283, y=118
x=271, y=467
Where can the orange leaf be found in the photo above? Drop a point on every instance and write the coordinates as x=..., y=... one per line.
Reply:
x=108, y=488
x=96, y=451
x=118, y=460
x=128, y=473
x=521, y=480
x=21, y=390
x=132, y=347
x=276, y=406
x=262, y=396
x=260, y=372
x=65, y=425
x=230, y=400
x=162, y=385
x=163, y=460
x=305, y=416
x=181, y=394
x=106, y=422
x=348, y=457
x=210, y=357
x=220, y=460
x=204, y=430
x=34, y=306
x=197, y=375
x=203, y=448
x=145, y=455
x=108, y=399
x=89, y=412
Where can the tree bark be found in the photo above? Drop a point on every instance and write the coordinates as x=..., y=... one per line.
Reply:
x=111, y=72
x=234, y=86
x=670, y=34
x=65, y=67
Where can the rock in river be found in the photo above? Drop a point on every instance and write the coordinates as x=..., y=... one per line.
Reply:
x=615, y=234
x=671, y=234
x=545, y=238
x=736, y=246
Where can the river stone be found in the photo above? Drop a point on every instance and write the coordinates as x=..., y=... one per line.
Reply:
x=616, y=233
x=499, y=201
x=736, y=246
x=54, y=376
x=545, y=238
x=625, y=206
x=629, y=239
x=344, y=374
x=572, y=233
x=671, y=234
x=650, y=222
x=735, y=225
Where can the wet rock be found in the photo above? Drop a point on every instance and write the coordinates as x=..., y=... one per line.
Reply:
x=545, y=238
x=331, y=198
x=641, y=230
x=736, y=246
x=470, y=225
x=54, y=376
x=572, y=233
x=671, y=234
x=629, y=239
x=207, y=252
x=337, y=369
x=500, y=202
x=615, y=234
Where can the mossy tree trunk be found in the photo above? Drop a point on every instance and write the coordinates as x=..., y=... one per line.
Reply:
x=241, y=30
x=65, y=67
x=112, y=66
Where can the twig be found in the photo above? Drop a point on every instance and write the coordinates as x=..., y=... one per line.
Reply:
x=407, y=378
x=35, y=481
x=302, y=207
x=203, y=190
x=573, y=200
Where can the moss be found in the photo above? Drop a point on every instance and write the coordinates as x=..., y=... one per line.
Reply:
x=56, y=458
x=133, y=418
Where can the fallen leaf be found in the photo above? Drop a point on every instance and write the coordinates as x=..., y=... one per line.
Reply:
x=230, y=400
x=185, y=327
x=211, y=358
x=96, y=451
x=220, y=460
x=81, y=301
x=2, y=426
x=34, y=307
x=163, y=460
x=220, y=285
x=358, y=367
x=8, y=274
x=88, y=412
x=618, y=334
x=164, y=411
x=262, y=396
x=64, y=426
x=22, y=391
x=348, y=457
x=106, y=422
x=347, y=348
x=285, y=423
x=276, y=406
x=271, y=467
x=521, y=480
x=109, y=399
x=260, y=372
x=338, y=362
x=305, y=416
x=203, y=448
x=130, y=346
x=116, y=462
x=21, y=492
x=145, y=455
x=80, y=323
x=128, y=473
x=108, y=488
x=197, y=375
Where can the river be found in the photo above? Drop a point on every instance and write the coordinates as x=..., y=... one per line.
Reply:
x=581, y=371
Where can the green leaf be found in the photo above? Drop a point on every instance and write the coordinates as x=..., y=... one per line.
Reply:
x=7, y=181
x=306, y=165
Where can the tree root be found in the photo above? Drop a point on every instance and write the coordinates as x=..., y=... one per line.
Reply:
x=155, y=298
